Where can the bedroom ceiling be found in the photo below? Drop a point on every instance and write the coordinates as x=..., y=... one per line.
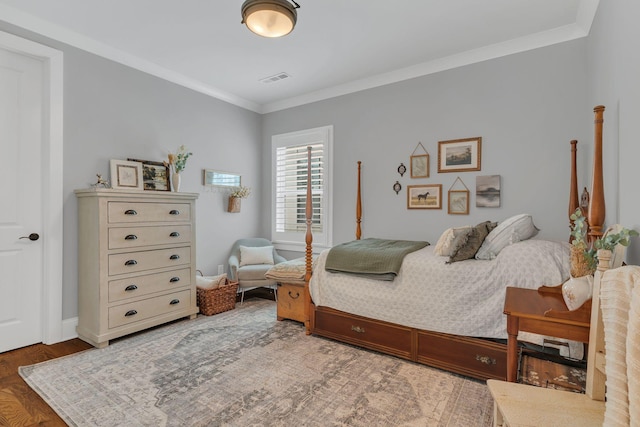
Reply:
x=337, y=47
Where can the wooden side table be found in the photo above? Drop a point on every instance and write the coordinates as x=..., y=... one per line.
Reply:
x=291, y=301
x=544, y=312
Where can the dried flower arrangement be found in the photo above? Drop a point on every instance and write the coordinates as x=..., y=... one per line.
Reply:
x=178, y=161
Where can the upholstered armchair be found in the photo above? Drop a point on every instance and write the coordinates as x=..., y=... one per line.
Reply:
x=249, y=260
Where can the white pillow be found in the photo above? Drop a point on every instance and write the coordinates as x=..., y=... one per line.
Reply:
x=451, y=240
x=211, y=282
x=511, y=230
x=250, y=255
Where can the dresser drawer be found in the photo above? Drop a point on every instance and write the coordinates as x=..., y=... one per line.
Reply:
x=133, y=212
x=132, y=262
x=135, y=287
x=134, y=237
x=144, y=309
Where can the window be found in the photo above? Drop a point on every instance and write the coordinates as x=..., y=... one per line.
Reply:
x=289, y=182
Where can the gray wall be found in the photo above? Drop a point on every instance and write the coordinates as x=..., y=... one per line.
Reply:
x=114, y=112
x=526, y=107
x=614, y=69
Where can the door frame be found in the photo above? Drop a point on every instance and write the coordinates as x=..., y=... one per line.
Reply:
x=52, y=176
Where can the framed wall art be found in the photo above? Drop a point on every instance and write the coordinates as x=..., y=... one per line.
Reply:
x=458, y=202
x=126, y=175
x=155, y=175
x=488, y=191
x=420, y=166
x=424, y=196
x=460, y=155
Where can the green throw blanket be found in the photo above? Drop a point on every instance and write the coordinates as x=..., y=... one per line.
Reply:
x=378, y=259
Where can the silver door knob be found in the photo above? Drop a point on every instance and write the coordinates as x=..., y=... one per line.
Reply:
x=33, y=237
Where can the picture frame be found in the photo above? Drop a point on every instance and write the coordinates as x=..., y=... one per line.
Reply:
x=155, y=175
x=427, y=196
x=420, y=166
x=126, y=175
x=460, y=155
x=458, y=202
x=488, y=191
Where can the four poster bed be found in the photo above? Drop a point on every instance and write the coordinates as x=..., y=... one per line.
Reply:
x=453, y=320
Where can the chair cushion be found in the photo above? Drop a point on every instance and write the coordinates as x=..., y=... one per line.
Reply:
x=251, y=255
x=253, y=272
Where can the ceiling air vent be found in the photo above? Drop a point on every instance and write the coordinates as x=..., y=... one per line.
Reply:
x=275, y=78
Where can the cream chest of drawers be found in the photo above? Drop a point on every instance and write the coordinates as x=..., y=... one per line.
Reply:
x=136, y=261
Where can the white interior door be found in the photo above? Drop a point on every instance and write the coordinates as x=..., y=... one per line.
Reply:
x=21, y=211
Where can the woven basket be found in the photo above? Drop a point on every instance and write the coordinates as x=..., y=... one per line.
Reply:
x=216, y=300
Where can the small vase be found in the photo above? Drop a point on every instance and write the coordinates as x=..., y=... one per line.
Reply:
x=576, y=291
x=175, y=182
x=234, y=204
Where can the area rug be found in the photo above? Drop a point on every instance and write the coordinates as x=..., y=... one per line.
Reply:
x=244, y=368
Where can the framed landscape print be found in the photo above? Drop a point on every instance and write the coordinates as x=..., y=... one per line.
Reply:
x=459, y=155
x=126, y=175
x=155, y=175
x=488, y=191
x=424, y=196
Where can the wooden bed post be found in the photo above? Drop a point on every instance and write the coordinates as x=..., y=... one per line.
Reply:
x=358, y=206
x=596, y=206
x=308, y=249
x=573, y=188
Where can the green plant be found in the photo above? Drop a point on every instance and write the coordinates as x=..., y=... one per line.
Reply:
x=178, y=161
x=240, y=192
x=610, y=240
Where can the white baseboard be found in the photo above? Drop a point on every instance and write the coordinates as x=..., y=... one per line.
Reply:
x=69, y=328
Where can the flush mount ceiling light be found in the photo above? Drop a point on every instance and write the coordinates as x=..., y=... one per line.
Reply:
x=270, y=18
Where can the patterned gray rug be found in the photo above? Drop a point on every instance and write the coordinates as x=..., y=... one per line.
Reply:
x=244, y=368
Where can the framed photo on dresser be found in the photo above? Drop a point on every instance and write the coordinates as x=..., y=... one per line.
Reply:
x=126, y=175
x=155, y=175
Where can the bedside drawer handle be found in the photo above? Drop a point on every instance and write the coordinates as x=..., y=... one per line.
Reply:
x=174, y=234
x=174, y=257
x=131, y=262
x=130, y=313
x=174, y=279
x=130, y=212
x=294, y=297
x=131, y=237
x=174, y=212
x=131, y=288
x=485, y=359
x=175, y=301
x=357, y=329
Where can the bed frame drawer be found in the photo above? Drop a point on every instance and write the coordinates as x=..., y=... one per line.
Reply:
x=472, y=356
x=372, y=334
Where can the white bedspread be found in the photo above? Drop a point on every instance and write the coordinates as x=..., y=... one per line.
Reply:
x=463, y=298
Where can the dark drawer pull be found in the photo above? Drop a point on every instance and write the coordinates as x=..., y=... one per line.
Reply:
x=174, y=279
x=131, y=288
x=175, y=301
x=357, y=329
x=131, y=237
x=174, y=234
x=174, y=212
x=174, y=257
x=130, y=212
x=294, y=297
x=130, y=313
x=131, y=262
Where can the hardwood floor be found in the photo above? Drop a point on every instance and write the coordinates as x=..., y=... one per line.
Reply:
x=20, y=406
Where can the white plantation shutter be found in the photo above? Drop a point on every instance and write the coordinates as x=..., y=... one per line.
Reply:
x=290, y=186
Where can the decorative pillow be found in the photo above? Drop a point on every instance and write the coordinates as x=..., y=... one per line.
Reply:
x=250, y=255
x=474, y=240
x=211, y=282
x=511, y=230
x=451, y=240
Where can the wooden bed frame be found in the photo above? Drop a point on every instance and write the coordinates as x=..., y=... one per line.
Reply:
x=474, y=357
